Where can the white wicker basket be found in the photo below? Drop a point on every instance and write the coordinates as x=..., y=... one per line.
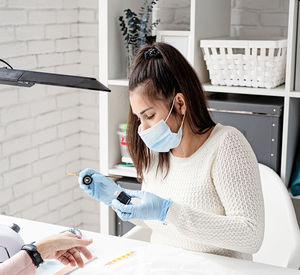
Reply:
x=251, y=63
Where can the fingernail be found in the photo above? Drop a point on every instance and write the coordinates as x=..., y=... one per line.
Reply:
x=78, y=236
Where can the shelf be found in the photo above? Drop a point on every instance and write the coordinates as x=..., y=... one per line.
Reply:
x=295, y=94
x=278, y=91
x=124, y=171
x=118, y=82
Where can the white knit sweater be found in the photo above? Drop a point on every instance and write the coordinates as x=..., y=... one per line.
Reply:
x=217, y=199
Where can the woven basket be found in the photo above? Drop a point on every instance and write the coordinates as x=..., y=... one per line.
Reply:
x=250, y=63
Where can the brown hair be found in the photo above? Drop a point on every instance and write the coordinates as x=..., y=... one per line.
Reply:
x=165, y=74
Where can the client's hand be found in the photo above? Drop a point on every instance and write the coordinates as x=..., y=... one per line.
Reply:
x=65, y=247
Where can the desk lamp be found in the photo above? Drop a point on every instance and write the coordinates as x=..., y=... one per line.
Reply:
x=10, y=76
x=10, y=240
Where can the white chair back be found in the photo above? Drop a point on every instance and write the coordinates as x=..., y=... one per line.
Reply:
x=281, y=244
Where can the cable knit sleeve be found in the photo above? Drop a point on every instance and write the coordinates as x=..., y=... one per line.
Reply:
x=235, y=175
x=20, y=263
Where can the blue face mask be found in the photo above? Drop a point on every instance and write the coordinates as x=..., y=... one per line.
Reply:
x=160, y=138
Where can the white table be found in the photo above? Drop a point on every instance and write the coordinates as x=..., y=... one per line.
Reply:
x=148, y=258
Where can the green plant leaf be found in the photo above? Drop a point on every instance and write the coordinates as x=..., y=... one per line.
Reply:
x=134, y=28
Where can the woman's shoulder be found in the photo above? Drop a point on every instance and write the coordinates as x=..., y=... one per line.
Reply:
x=224, y=130
x=230, y=140
x=224, y=134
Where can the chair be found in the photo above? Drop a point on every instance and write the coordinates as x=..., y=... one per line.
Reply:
x=139, y=233
x=281, y=243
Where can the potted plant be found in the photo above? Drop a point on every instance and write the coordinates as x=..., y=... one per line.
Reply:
x=136, y=29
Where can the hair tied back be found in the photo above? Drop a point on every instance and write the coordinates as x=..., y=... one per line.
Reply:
x=152, y=52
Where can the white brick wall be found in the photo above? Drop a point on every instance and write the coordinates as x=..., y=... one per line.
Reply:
x=42, y=128
x=259, y=18
x=88, y=111
x=173, y=14
x=251, y=18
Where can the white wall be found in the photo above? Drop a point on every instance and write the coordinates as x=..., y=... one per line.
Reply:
x=173, y=14
x=259, y=18
x=88, y=108
x=48, y=131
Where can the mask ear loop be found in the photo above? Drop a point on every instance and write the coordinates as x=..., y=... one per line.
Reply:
x=182, y=120
x=170, y=109
x=171, y=112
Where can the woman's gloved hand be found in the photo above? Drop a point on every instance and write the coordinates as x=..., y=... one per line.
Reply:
x=102, y=188
x=150, y=207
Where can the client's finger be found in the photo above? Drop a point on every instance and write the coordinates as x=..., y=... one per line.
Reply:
x=63, y=260
x=66, y=259
x=87, y=254
x=71, y=257
x=77, y=257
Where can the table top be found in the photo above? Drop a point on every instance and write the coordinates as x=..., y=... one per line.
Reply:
x=146, y=259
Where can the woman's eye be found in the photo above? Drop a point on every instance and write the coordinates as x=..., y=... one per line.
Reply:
x=150, y=117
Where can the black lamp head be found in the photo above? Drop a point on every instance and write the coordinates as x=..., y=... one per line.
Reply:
x=29, y=78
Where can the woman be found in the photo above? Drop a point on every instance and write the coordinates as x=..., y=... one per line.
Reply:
x=65, y=247
x=200, y=181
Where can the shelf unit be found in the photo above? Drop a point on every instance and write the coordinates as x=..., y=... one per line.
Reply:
x=278, y=91
x=118, y=82
x=129, y=172
x=207, y=19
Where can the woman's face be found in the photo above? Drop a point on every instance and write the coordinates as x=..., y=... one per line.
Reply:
x=150, y=111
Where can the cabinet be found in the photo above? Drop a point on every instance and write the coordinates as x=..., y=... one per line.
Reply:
x=207, y=19
x=259, y=119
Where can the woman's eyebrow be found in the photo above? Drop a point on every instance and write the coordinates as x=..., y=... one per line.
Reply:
x=145, y=110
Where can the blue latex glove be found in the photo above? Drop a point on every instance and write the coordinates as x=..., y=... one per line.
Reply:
x=102, y=188
x=150, y=207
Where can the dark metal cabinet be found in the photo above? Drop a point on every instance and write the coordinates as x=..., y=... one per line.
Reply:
x=258, y=118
